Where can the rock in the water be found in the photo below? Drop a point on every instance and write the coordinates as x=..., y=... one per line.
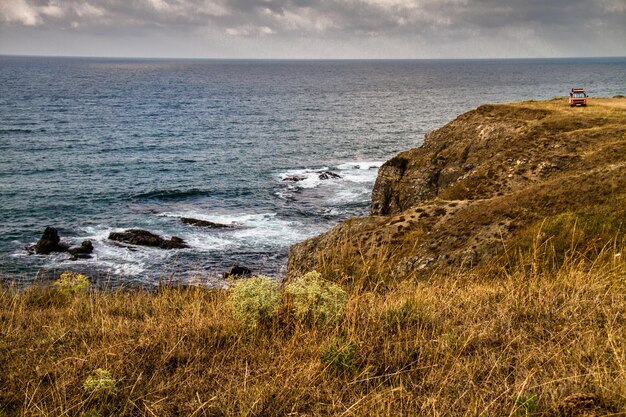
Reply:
x=238, y=272
x=327, y=175
x=294, y=178
x=205, y=223
x=83, y=251
x=50, y=242
x=146, y=238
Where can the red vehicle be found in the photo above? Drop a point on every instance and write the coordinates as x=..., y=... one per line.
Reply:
x=577, y=97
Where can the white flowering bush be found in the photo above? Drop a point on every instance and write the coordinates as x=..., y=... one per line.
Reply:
x=100, y=383
x=71, y=283
x=254, y=300
x=316, y=300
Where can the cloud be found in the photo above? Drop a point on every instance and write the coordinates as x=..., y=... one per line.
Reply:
x=531, y=25
x=86, y=10
x=250, y=30
x=20, y=12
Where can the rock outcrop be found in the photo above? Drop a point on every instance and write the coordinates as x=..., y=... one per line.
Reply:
x=294, y=178
x=146, y=238
x=467, y=192
x=50, y=242
x=328, y=175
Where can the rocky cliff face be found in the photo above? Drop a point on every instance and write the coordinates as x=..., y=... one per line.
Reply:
x=467, y=192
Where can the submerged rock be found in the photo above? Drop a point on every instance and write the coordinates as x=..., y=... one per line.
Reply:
x=205, y=223
x=238, y=272
x=146, y=238
x=328, y=175
x=294, y=178
x=50, y=242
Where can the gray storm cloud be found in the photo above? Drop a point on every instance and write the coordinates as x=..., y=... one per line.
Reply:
x=320, y=28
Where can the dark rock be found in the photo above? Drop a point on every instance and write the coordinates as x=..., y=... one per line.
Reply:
x=176, y=242
x=85, y=248
x=81, y=256
x=83, y=251
x=238, y=272
x=50, y=242
x=327, y=175
x=294, y=178
x=205, y=223
x=145, y=238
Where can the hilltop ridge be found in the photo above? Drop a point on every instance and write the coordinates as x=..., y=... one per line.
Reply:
x=480, y=186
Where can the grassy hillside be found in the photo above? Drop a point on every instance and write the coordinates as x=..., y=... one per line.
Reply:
x=458, y=343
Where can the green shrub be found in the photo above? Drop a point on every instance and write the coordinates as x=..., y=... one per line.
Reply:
x=254, y=300
x=316, y=300
x=526, y=404
x=100, y=383
x=71, y=283
x=341, y=356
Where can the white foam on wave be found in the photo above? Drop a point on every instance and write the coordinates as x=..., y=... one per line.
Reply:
x=362, y=165
x=106, y=256
x=350, y=195
x=118, y=258
x=357, y=171
x=265, y=230
x=355, y=184
x=309, y=178
x=360, y=172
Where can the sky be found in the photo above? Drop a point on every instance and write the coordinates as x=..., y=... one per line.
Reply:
x=314, y=29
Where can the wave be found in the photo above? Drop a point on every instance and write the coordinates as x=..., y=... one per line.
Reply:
x=363, y=165
x=256, y=230
x=354, y=179
x=173, y=194
x=16, y=131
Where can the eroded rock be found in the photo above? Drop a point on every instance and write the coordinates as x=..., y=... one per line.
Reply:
x=146, y=238
x=328, y=175
x=50, y=242
x=294, y=178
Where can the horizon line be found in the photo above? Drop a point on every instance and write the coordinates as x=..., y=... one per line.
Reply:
x=308, y=59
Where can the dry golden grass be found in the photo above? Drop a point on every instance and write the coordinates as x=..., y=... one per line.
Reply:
x=461, y=343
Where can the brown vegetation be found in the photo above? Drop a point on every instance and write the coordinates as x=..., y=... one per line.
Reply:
x=535, y=341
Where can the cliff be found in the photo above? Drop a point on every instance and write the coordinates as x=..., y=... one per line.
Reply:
x=482, y=186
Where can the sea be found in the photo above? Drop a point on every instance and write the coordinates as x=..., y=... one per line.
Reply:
x=95, y=145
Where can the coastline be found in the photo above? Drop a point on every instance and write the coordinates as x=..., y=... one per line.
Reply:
x=112, y=146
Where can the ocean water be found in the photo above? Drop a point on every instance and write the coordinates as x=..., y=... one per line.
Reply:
x=92, y=146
